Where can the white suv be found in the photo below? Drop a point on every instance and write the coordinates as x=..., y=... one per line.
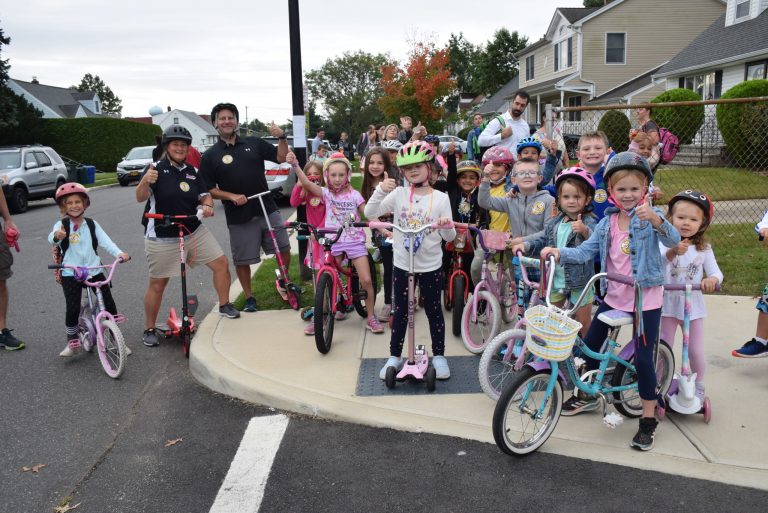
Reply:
x=30, y=172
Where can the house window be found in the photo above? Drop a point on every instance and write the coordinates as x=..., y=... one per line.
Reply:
x=97, y=107
x=707, y=86
x=529, y=68
x=756, y=70
x=574, y=101
x=742, y=9
x=615, y=48
x=564, y=54
x=175, y=121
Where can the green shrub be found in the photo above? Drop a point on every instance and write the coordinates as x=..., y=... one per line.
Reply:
x=684, y=122
x=464, y=132
x=101, y=142
x=616, y=127
x=744, y=125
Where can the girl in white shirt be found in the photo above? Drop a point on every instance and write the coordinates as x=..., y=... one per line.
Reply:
x=414, y=207
x=691, y=213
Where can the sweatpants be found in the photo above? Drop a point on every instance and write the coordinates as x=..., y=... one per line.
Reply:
x=430, y=287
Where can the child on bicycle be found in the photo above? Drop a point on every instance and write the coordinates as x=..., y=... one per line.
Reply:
x=414, y=207
x=343, y=203
x=462, y=183
x=574, y=225
x=691, y=213
x=77, y=238
x=627, y=241
x=757, y=346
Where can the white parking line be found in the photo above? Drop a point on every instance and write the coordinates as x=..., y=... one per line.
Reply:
x=243, y=488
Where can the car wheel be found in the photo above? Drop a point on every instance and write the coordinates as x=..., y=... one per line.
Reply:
x=123, y=181
x=18, y=201
x=59, y=183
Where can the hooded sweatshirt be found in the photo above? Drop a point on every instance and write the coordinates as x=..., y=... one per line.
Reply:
x=527, y=214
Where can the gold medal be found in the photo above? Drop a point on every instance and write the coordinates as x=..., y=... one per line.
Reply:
x=537, y=208
x=227, y=159
x=625, y=246
x=184, y=186
x=601, y=196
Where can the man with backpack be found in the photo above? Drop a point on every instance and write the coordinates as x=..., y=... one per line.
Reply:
x=508, y=128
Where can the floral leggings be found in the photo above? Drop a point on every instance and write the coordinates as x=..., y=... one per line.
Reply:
x=430, y=288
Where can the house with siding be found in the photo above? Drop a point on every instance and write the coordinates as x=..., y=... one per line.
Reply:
x=609, y=54
x=58, y=102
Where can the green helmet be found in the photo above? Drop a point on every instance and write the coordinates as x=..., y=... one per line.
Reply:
x=415, y=153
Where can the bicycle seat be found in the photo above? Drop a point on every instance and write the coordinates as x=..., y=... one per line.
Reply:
x=616, y=318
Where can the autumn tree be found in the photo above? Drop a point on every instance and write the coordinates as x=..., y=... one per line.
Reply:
x=419, y=88
x=110, y=103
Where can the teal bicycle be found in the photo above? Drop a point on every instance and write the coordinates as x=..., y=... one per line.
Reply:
x=529, y=407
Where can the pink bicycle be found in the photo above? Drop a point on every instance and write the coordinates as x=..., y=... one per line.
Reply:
x=96, y=326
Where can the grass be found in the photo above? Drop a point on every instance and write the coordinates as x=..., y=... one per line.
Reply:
x=719, y=183
x=743, y=263
x=103, y=179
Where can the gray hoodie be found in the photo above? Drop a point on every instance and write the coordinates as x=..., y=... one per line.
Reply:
x=527, y=214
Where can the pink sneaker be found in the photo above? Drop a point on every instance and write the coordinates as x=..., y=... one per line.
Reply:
x=374, y=325
x=281, y=290
x=310, y=329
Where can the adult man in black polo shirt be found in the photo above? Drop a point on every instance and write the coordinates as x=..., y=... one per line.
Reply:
x=234, y=169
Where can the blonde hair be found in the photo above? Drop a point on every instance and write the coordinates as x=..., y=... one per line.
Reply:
x=623, y=173
x=597, y=134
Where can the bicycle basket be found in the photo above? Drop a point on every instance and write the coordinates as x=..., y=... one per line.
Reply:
x=495, y=240
x=550, y=334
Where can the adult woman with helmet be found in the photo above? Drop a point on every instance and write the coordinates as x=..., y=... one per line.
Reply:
x=173, y=187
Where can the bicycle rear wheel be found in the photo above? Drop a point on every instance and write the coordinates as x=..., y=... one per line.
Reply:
x=459, y=286
x=496, y=367
x=478, y=328
x=112, y=352
x=323, y=313
x=516, y=429
x=628, y=402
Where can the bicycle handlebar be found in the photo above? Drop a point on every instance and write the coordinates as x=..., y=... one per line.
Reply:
x=81, y=272
x=317, y=232
x=170, y=219
x=379, y=225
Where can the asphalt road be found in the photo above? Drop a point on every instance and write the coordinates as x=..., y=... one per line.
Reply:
x=103, y=442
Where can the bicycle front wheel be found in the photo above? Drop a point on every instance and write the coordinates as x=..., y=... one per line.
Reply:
x=517, y=429
x=323, y=313
x=112, y=352
x=479, y=327
x=497, y=364
x=459, y=286
x=628, y=402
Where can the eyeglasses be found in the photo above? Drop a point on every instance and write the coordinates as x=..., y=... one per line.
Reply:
x=526, y=174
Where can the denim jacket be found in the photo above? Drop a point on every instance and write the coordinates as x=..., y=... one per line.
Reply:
x=645, y=257
x=577, y=274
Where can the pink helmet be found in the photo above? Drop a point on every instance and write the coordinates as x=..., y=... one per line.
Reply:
x=336, y=157
x=577, y=172
x=499, y=155
x=72, y=188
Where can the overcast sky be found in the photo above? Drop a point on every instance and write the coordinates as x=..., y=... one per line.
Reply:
x=193, y=54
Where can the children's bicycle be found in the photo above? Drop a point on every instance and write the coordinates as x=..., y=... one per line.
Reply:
x=96, y=326
x=456, y=291
x=530, y=405
x=337, y=288
x=288, y=290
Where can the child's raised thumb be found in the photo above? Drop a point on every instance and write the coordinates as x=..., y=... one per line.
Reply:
x=386, y=176
x=578, y=217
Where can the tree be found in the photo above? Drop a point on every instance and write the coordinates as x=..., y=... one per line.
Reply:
x=110, y=103
x=19, y=120
x=497, y=65
x=419, y=88
x=596, y=3
x=348, y=87
x=7, y=105
x=257, y=126
x=462, y=59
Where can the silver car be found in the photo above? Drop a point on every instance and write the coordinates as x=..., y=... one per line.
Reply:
x=130, y=168
x=30, y=172
x=280, y=177
x=445, y=140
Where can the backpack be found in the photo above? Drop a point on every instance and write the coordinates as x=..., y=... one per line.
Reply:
x=669, y=145
x=476, y=149
x=59, y=250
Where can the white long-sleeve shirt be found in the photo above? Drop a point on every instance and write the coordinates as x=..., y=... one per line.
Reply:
x=491, y=136
x=688, y=268
x=422, y=210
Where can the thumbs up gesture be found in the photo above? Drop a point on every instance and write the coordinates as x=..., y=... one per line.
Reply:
x=388, y=184
x=682, y=248
x=579, y=227
x=488, y=169
x=275, y=131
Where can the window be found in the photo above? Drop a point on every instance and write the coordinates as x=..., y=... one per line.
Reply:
x=175, y=121
x=42, y=159
x=742, y=9
x=29, y=160
x=707, y=86
x=756, y=70
x=564, y=54
x=615, y=48
x=97, y=107
x=574, y=101
x=529, y=68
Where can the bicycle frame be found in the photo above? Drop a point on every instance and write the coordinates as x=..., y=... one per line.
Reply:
x=457, y=270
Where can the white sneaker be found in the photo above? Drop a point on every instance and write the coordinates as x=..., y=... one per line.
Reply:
x=394, y=361
x=440, y=363
x=128, y=350
x=67, y=352
x=384, y=313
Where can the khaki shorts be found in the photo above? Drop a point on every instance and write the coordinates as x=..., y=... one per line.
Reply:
x=6, y=257
x=200, y=248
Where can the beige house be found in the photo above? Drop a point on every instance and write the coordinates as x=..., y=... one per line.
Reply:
x=608, y=54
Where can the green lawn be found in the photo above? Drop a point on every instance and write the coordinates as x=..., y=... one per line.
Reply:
x=103, y=179
x=743, y=263
x=719, y=183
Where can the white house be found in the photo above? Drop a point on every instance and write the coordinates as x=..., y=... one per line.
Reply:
x=58, y=102
x=202, y=131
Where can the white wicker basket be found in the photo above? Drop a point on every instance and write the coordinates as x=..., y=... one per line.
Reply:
x=550, y=334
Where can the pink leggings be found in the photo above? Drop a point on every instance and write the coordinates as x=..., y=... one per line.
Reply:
x=695, y=342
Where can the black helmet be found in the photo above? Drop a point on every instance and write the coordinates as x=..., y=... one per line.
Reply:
x=700, y=199
x=176, y=133
x=223, y=106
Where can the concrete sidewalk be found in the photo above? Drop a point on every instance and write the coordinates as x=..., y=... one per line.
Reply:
x=265, y=358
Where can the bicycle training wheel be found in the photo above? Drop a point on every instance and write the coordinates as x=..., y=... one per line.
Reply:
x=323, y=313
x=360, y=304
x=496, y=367
x=112, y=352
x=459, y=286
x=478, y=328
x=517, y=429
x=628, y=402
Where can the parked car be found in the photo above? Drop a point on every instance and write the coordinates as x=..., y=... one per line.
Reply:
x=130, y=168
x=30, y=172
x=280, y=177
x=571, y=141
x=445, y=140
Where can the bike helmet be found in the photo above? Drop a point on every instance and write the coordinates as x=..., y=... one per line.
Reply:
x=223, y=106
x=392, y=145
x=415, y=152
x=432, y=139
x=579, y=173
x=499, y=155
x=528, y=142
x=72, y=188
x=468, y=166
x=700, y=199
x=336, y=157
x=627, y=160
x=176, y=133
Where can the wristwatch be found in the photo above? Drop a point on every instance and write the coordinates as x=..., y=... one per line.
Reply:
x=282, y=137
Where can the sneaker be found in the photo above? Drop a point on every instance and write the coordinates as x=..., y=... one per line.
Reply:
x=281, y=290
x=341, y=315
x=643, y=440
x=578, y=404
x=310, y=329
x=71, y=348
x=394, y=361
x=228, y=310
x=374, y=325
x=250, y=305
x=440, y=363
x=385, y=312
x=700, y=391
x=128, y=350
x=150, y=338
x=9, y=342
x=752, y=349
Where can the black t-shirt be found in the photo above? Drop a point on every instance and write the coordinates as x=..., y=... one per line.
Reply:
x=176, y=192
x=239, y=168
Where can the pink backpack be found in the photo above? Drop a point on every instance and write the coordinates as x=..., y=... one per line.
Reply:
x=669, y=145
